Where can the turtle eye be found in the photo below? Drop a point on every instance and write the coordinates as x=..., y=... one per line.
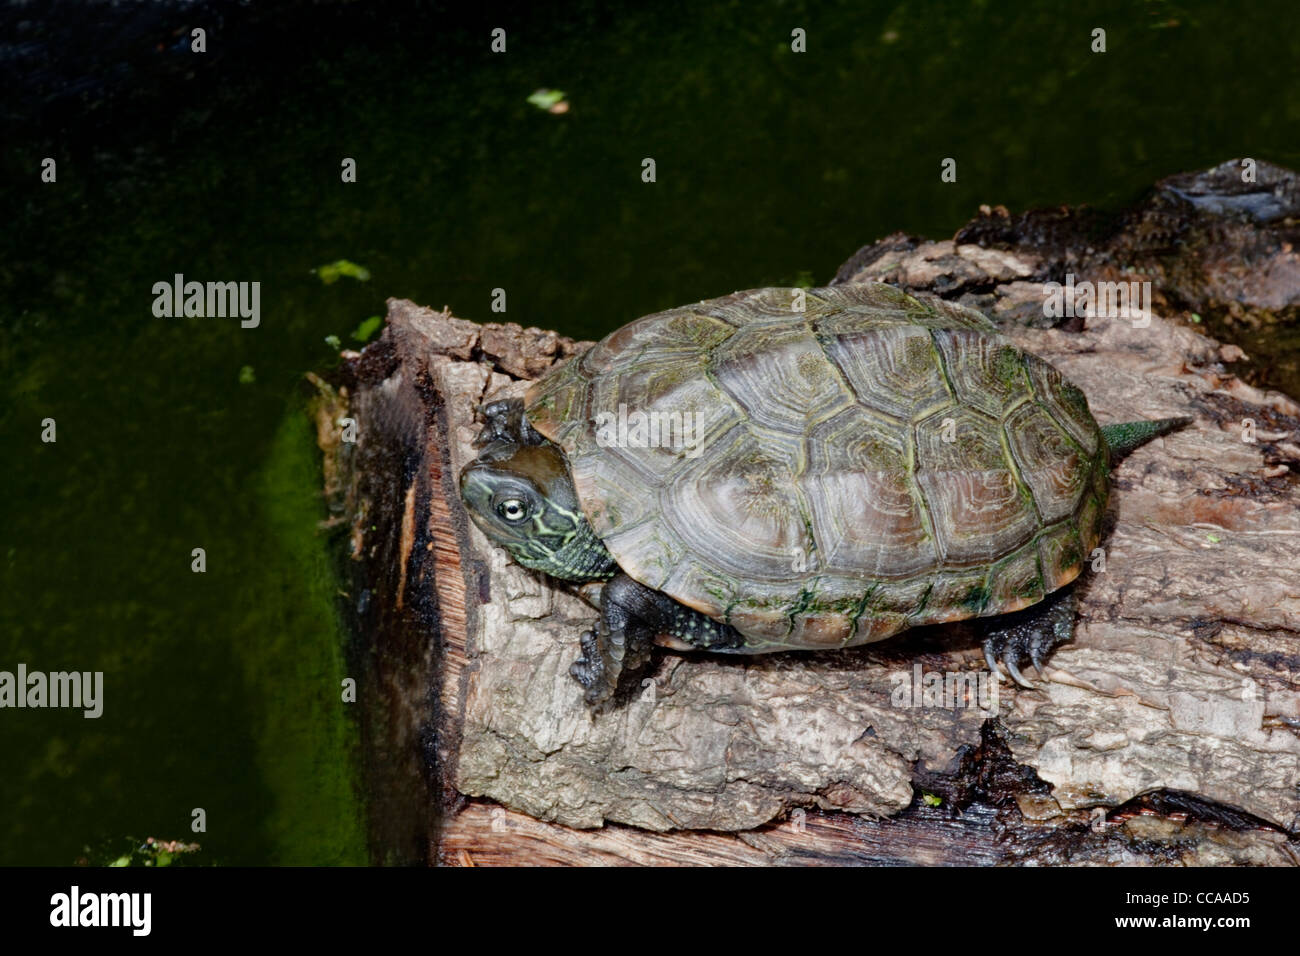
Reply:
x=513, y=510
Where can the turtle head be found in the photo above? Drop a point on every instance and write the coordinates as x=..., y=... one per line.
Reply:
x=522, y=497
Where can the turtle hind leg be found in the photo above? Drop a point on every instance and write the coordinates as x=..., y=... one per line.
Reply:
x=1032, y=633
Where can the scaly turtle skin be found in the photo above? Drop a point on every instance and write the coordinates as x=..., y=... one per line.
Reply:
x=786, y=469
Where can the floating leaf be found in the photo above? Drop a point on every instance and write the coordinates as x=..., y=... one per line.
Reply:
x=366, y=329
x=331, y=272
x=333, y=342
x=553, y=101
x=246, y=376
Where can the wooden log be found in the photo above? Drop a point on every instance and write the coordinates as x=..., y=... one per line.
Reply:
x=1166, y=731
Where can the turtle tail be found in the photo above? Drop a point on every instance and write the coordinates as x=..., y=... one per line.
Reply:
x=1123, y=438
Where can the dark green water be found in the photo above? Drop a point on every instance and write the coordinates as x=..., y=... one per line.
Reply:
x=222, y=688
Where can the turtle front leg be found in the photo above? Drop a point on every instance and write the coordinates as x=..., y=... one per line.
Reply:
x=504, y=421
x=1033, y=633
x=632, y=616
x=621, y=641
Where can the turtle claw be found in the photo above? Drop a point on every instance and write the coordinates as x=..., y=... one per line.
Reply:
x=589, y=670
x=1007, y=648
x=1038, y=651
x=991, y=659
x=1031, y=633
x=1014, y=671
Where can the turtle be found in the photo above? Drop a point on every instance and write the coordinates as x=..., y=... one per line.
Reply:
x=802, y=469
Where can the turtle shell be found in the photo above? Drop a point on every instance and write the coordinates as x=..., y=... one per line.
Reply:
x=828, y=467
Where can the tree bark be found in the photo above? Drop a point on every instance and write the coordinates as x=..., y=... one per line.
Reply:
x=1168, y=730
